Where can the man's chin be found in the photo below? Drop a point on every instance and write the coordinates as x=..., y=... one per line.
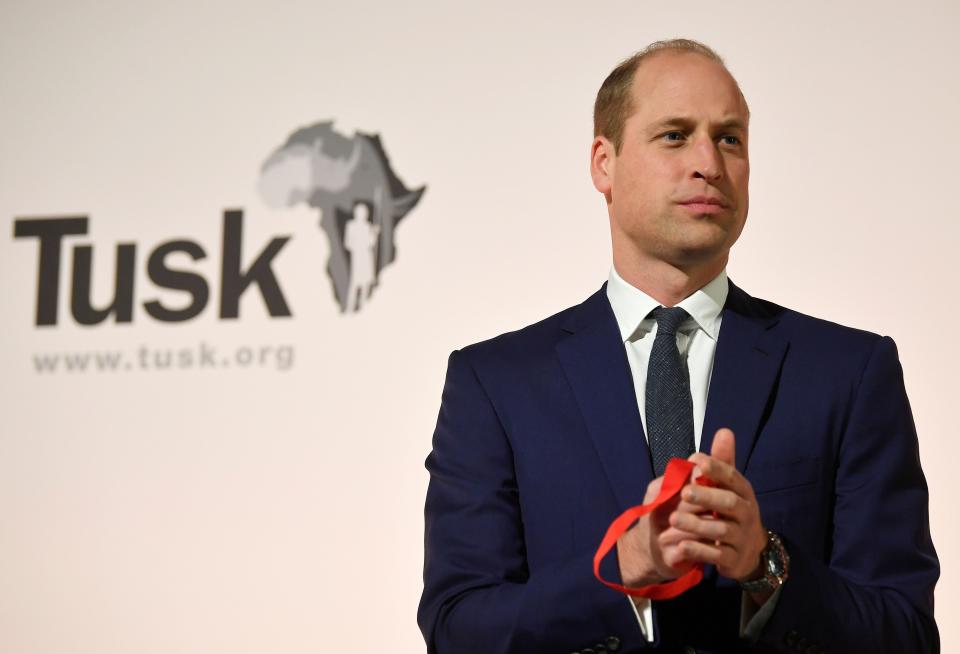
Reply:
x=700, y=254
x=705, y=241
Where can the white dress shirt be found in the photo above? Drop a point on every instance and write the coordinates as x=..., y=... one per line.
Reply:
x=696, y=337
x=697, y=343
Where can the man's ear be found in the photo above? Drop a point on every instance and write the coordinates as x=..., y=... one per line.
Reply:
x=602, y=163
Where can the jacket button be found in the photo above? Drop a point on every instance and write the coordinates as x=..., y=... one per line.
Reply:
x=613, y=643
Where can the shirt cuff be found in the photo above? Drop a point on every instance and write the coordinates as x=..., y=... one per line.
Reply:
x=643, y=609
x=754, y=618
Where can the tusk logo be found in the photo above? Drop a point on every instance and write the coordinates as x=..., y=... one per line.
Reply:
x=349, y=179
x=360, y=198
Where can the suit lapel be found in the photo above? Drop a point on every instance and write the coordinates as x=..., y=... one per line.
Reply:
x=745, y=371
x=746, y=367
x=595, y=362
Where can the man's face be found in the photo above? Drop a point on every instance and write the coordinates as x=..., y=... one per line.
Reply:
x=677, y=190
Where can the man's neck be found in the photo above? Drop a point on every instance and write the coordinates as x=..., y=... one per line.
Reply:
x=666, y=283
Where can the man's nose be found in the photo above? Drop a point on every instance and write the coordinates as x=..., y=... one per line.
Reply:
x=707, y=163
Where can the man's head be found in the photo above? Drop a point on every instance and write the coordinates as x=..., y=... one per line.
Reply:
x=670, y=156
x=361, y=212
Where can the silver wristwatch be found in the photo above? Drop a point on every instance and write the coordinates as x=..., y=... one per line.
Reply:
x=775, y=563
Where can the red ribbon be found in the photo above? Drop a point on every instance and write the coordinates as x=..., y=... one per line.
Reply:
x=674, y=479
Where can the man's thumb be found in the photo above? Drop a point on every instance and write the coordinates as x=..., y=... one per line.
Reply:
x=724, y=447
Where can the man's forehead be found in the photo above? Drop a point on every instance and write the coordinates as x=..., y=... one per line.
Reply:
x=684, y=84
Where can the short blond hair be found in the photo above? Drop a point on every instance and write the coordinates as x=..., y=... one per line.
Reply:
x=613, y=104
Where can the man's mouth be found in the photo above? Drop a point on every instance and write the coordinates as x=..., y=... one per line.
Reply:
x=703, y=204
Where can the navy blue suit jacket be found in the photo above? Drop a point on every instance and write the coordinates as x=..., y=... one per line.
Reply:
x=539, y=445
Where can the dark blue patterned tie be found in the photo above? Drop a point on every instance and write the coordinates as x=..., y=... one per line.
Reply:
x=669, y=406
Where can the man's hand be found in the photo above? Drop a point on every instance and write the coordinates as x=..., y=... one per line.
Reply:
x=649, y=553
x=719, y=525
x=725, y=519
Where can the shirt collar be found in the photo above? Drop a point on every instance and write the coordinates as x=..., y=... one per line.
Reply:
x=631, y=306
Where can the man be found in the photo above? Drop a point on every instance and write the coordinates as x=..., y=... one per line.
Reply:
x=814, y=535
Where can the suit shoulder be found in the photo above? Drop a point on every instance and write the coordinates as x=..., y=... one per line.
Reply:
x=531, y=340
x=524, y=346
x=828, y=338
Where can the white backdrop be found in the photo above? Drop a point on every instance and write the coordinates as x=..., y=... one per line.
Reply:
x=250, y=508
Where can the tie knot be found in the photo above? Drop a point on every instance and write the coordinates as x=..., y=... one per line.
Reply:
x=669, y=319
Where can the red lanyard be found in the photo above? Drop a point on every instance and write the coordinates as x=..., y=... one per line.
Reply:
x=674, y=479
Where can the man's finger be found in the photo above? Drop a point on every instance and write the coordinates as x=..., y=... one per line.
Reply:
x=690, y=507
x=723, y=501
x=672, y=537
x=653, y=489
x=727, y=532
x=722, y=474
x=724, y=447
x=700, y=552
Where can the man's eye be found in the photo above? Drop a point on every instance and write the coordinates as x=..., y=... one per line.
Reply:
x=673, y=136
x=727, y=139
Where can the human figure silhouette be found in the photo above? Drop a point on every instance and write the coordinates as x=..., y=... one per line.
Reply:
x=331, y=172
x=360, y=240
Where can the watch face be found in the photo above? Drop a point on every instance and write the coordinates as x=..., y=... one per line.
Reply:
x=774, y=564
x=776, y=561
x=776, y=557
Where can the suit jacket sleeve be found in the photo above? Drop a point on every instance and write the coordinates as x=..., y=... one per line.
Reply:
x=479, y=595
x=876, y=593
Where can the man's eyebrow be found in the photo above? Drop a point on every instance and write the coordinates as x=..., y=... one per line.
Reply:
x=732, y=123
x=684, y=122
x=672, y=121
